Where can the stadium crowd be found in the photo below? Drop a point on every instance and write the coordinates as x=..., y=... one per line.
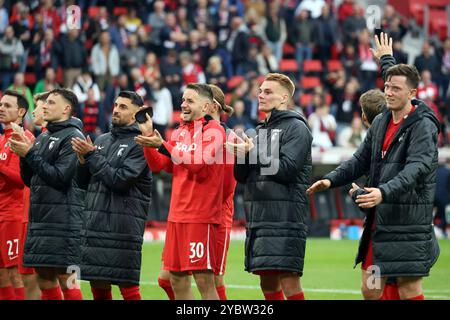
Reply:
x=157, y=47
x=189, y=60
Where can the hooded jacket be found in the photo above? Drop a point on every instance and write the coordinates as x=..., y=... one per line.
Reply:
x=56, y=201
x=275, y=200
x=118, y=183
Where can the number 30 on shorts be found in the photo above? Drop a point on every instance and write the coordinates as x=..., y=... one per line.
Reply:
x=197, y=250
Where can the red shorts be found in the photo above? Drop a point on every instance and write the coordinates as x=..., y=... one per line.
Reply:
x=10, y=242
x=368, y=260
x=22, y=269
x=190, y=246
x=222, y=245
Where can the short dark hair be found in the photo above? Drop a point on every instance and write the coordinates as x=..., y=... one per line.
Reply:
x=69, y=96
x=409, y=71
x=41, y=96
x=133, y=96
x=202, y=89
x=372, y=102
x=22, y=102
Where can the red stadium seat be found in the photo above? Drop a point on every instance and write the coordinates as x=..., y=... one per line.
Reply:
x=310, y=82
x=288, y=65
x=234, y=81
x=312, y=66
x=120, y=10
x=305, y=99
x=334, y=65
x=93, y=12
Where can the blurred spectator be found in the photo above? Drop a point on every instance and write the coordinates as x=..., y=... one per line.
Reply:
x=172, y=37
x=238, y=120
x=150, y=70
x=237, y=43
x=213, y=49
x=445, y=69
x=368, y=66
x=323, y=125
x=222, y=20
x=352, y=136
x=11, y=52
x=313, y=6
x=248, y=67
x=194, y=47
x=183, y=20
x=51, y=19
x=275, y=28
x=303, y=29
x=202, y=14
x=215, y=73
x=98, y=24
x=345, y=10
x=427, y=90
x=251, y=102
x=162, y=107
x=388, y=15
x=45, y=51
x=173, y=77
x=19, y=86
x=240, y=92
x=396, y=29
x=48, y=83
x=349, y=60
x=347, y=104
x=191, y=72
x=442, y=196
x=119, y=34
x=23, y=30
x=4, y=19
x=428, y=60
x=140, y=86
x=266, y=60
x=90, y=115
x=83, y=84
x=399, y=55
x=73, y=56
x=132, y=21
x=105, y=61
x=354, y=24
x=133, y=56
x=324, y=34
x=156, y=20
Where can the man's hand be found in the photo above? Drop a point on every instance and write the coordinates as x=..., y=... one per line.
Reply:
x=82, y=147
x=371, y=199
x=153, y=141
x=20, y=144
x=240, y=149
x=353, y=189
x=146, y=127
x=319, y=186
x=383, y=46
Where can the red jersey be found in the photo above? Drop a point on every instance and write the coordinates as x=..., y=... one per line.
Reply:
x=196, y=162
x=229, y=185
x=391, y=131
x=11, y=184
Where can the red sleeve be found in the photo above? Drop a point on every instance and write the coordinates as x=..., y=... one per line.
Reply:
x=196, y=159
x=12, y=170
x=156, y=161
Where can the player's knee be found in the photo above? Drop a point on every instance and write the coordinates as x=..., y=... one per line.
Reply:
x=218, y=281
x=371, y=294
x=16, y=278
x=204, y=281
x=270, y=284
x=4, y=277
x=179, y=282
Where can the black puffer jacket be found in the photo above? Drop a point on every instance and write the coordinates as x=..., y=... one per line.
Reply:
x=403, y=238
x=118, y=183
x=56, y=203
x=276, y=204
